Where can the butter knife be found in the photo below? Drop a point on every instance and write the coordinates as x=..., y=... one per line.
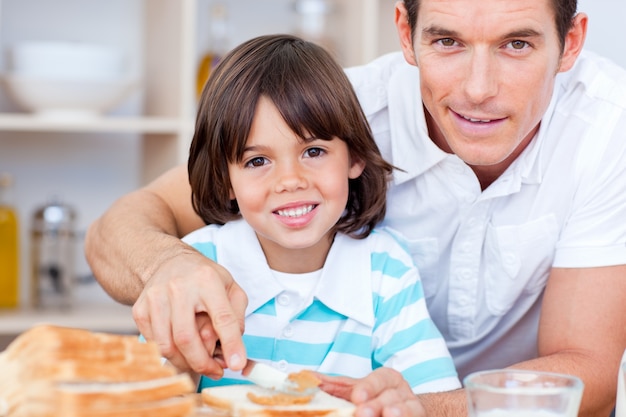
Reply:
x=273, y=379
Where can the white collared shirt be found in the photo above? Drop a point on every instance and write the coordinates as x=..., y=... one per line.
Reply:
x=366, y=310
x=484, y=257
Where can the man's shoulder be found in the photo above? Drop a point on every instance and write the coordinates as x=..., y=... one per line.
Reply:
x=597, y=78
x=370, y=81
x=390, y=242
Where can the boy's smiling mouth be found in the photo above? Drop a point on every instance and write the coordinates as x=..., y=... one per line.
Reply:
x=296, y=211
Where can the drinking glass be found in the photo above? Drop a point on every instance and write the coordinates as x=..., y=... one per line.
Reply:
x=520, y=393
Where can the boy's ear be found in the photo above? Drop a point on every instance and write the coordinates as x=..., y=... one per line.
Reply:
x=574, y=42
x=404, y=33
x=356, y=169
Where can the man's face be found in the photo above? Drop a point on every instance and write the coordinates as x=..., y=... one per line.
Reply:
x=487, y=71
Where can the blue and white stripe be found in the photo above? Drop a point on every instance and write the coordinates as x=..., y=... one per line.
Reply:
x=367, y=311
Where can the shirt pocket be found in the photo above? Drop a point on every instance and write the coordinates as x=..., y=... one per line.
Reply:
x=518, y=259
x=425, y=253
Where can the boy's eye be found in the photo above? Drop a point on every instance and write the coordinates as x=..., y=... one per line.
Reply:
x=313, y=152
x=256, y=162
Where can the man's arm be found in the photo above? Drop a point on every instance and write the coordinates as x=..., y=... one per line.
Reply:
x=139, y=228
x=182, y=300
x=582, y=332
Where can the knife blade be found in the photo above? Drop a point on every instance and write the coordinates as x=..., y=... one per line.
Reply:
x=271, y=378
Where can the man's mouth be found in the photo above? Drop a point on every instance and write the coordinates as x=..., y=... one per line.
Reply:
x=296, y=211
x=473, y=120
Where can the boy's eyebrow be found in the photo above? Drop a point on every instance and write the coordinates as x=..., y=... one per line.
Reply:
x=437, y=31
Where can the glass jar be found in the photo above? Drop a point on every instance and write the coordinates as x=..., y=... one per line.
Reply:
x=53, y=250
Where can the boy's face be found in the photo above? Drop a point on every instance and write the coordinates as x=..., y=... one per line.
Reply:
x=290, y=191
x=487, y=71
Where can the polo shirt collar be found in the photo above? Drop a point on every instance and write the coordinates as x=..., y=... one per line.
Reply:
x=411, y=148
x=239, y=251
x=345, y=284
x=340, y=288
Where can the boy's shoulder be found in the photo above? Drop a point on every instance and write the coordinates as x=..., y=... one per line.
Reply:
x=390, y=242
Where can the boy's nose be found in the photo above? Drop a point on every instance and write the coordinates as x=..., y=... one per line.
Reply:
x=290, y=179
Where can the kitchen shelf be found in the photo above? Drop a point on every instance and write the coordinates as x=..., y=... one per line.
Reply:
x=92, y=162
x=106, y=124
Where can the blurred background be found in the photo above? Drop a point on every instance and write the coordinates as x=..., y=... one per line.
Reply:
x=87, y=159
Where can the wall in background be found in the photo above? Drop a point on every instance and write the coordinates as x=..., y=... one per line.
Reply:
x=607, y=28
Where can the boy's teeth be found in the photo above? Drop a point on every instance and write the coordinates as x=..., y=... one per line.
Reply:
x=295, y=212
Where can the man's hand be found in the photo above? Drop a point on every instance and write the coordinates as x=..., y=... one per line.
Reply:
x=189, y=304
x=384, y=393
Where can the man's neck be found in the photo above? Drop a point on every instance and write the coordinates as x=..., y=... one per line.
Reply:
x=485, y=174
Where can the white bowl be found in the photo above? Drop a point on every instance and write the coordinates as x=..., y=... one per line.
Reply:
x=68, y=98
x=58, y=59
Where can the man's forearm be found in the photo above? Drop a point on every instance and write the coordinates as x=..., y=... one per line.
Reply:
x=124, y=246
x=445, y=404
x=597, y=399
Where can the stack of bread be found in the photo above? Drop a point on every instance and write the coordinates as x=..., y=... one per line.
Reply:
x=51, y=371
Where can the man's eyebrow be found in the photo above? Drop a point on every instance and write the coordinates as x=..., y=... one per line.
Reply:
x=436, y=31
x=440, y=32
x=522, y=33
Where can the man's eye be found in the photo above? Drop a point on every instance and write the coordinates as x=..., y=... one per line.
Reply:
x=447, y=42
x=256, y=162
x=518, y=44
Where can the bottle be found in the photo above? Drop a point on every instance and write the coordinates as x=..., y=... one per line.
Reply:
x=218, y=44
x=9, y=250
x=53, y=250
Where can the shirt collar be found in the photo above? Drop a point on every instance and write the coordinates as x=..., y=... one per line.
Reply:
x=345, y=284
x=340, y=288
x=411, y=148
x=239, y=251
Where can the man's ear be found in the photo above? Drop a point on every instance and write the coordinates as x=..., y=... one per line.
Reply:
x=404, y=33
x=574, y=42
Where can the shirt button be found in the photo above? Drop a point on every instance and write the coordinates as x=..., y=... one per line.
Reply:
x=288, y=332
x=283, y=300
x=463, y=301
x=282, y=365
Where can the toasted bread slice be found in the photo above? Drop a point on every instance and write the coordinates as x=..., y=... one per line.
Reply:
x=52, y=371
x=235, y=399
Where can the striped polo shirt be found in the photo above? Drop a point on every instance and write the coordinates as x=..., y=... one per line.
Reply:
x=366, y=310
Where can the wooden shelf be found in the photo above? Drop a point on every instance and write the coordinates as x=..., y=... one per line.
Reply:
x=121, y=124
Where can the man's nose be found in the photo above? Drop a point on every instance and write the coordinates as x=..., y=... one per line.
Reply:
x=481, y=82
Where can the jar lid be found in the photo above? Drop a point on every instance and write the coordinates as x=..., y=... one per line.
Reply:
x=54, y=214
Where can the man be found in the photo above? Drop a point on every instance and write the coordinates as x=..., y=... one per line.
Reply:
x=513, y=199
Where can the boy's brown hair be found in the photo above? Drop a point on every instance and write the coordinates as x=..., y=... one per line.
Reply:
x=314, y=97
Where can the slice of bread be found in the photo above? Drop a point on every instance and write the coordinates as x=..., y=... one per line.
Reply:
x=165, y=397
x=235, y=400
x=51, y=371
